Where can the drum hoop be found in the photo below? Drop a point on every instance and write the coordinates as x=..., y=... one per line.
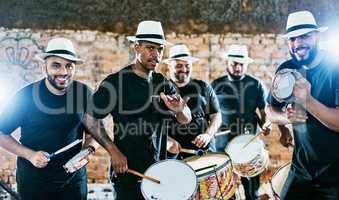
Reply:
x=271, y=184
x=156, y=163
x=217, y=169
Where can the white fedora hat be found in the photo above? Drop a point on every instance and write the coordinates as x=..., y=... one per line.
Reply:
x=149, y=31
x=60, y=47
x=180, y=52
x=238, y=53
x=300, y=23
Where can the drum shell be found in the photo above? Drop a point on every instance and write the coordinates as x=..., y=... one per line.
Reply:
x=209, y=179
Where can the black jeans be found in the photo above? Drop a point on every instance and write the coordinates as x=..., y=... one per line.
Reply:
x=73, y=189
x=128, y=191
x=295, y=188
x=251, y=187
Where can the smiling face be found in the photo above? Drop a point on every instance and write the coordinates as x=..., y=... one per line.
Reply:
x=60, y=72
x=304, y=48
x=180, y=71
x=148, y=54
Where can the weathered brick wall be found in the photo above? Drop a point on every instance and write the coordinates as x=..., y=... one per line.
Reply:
x=105, y=53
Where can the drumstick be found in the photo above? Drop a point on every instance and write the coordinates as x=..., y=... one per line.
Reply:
x=222, y=133
x=257, y=135
x=143, y=176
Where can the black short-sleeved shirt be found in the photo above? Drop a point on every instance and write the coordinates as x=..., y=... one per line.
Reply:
x=316, y=152
x=202, y=103
x=137, y=114
x=48, y=122
x=238, y=100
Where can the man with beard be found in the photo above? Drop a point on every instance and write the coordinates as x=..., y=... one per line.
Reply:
x=206, y=117
x=49, y=113
x=139, y=100
x=314, y=115
x=240, y=95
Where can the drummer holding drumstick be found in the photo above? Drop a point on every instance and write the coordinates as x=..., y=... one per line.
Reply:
x=240, y=95
x=206, y=117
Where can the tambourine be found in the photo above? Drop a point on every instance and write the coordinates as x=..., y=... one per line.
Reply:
x=79, y=160
x=283, y=84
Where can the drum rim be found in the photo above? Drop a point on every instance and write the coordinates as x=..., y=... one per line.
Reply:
x=217, y=169
x=166, y=160
x=284, y=165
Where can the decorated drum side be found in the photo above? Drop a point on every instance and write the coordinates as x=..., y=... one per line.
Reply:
x=215, y=176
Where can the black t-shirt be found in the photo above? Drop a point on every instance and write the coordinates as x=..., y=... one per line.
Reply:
x=202, y=103
x=137, y=114
x=316, y=152
x=48, y=122
x=238, y=100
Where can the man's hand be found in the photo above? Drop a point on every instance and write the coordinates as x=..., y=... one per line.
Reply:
x=266, y=128
x=286, y=138
x=174, y=102
x=296, y=114
x=173, y=146
x=119, y=161
x=39, y=159
x=202, y=140
x=302, y=92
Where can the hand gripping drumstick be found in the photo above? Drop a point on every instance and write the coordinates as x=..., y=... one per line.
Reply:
x=131, y=171
x=257, y=135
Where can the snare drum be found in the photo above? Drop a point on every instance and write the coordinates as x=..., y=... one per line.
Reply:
x=177, y=181
x=279, y=178
x=215, y=176
x=249, y=160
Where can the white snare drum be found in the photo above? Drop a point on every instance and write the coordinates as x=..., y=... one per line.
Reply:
x=249, y=160
x=279, y=178
x=177, y=181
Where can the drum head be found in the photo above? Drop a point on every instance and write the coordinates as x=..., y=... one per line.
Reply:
x=283, y=84
x=241, y=154
x=218, y=160
x=177, y=181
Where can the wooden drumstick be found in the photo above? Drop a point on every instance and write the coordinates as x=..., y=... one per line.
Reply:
x=257, y=135
x=198, y=152
x=143, y=176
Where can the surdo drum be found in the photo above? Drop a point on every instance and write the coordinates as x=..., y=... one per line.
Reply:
x=279, y=178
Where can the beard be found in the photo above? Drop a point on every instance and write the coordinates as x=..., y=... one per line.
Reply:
x=234, y=76
x=182, y=77
x=312, y=53
x=56, y=85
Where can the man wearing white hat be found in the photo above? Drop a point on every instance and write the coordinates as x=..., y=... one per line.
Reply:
x=49, y=113
x=206, y=117
x=313, y=114
x=139, y=100
x=240, y=95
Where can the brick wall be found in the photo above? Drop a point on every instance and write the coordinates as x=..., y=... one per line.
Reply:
x=105, y=53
